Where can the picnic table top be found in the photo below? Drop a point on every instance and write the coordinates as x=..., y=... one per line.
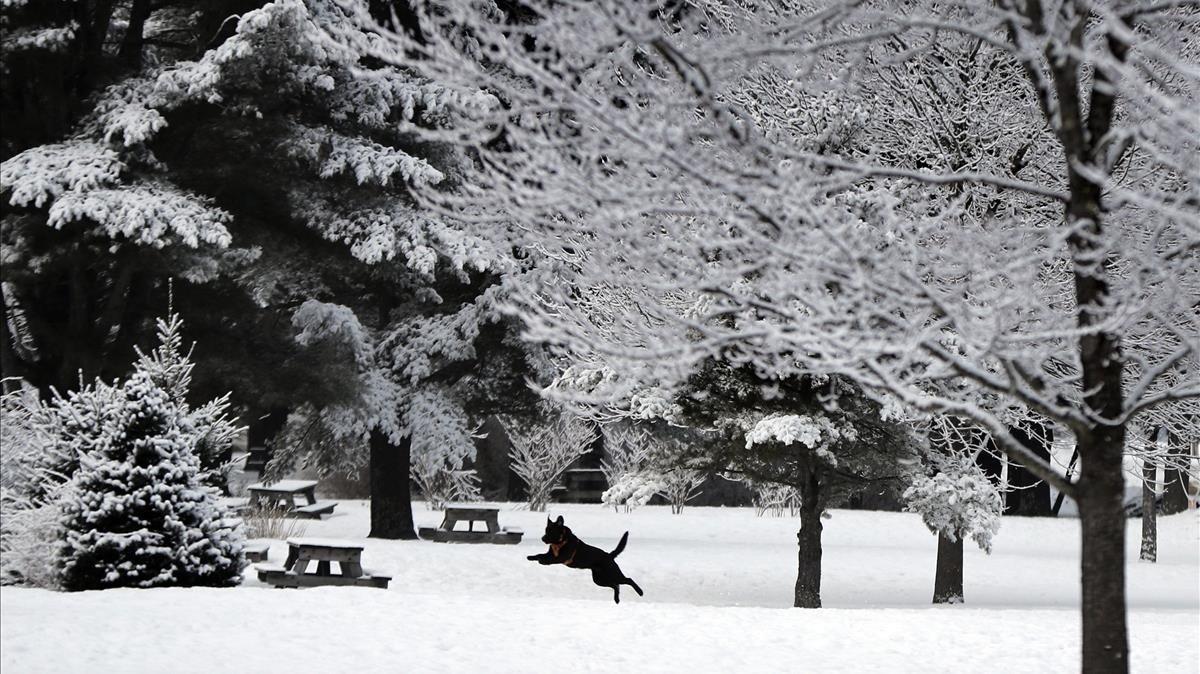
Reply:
x=324, y=543
x=458, y=510
x=289, y=486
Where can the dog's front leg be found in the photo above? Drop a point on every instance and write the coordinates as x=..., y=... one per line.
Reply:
x=546, y=558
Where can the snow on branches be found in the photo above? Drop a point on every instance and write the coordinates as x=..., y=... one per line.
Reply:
x=958, y=501
x=819, y=434
x=844, y=204
x=42, y=174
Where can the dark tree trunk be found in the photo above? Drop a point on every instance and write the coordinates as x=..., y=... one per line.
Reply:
x=1029, y=496
x=1105, y=646
x=948, y=579
x=131, y=44
x=391, y=499
x=808, y=573
x=1175, y=485
x=1149, y=516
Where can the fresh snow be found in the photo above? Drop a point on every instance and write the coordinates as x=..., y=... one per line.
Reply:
x=718, y=583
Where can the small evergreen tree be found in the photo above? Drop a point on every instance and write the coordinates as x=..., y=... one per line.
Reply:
x=136, y=513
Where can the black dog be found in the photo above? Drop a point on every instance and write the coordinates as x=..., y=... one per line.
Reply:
x=566, y=548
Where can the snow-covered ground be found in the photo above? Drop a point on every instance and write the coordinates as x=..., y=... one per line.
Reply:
x=718, y=584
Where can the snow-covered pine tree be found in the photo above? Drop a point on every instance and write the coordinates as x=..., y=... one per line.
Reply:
x=956, y=500
x=136, y=512
x=815, y=433
x=170, y=368
x=91, y=223
x=284, y=119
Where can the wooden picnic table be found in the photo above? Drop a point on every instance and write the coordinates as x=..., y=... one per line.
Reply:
x=489, y=517
x=445, y=532
x=302, y=552
x=284, y=492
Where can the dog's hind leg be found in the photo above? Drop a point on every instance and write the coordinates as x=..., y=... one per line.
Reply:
x=629, y=581
x=617, y=594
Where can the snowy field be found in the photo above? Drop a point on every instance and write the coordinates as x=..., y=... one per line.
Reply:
x=718, y=585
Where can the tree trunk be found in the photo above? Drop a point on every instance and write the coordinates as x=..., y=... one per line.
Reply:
x=1175, y=486
x=808, y=573
x=132, y=43
x=1149, y=516
x=1029, y=495
x=948, y=579
x=1102, y=517
x=391, y=500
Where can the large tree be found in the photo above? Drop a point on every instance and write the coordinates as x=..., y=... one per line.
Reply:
x=1054, y=269
x=817, y=434
x=269, y=165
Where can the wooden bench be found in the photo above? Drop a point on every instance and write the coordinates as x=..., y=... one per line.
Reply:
x=303, y=552
x=493, y=533
x=313, y=511
x=256, y=551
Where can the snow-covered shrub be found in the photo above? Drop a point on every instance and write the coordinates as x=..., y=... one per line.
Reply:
x=29, y=545
x=632, y=490
x=958, y=502
x=677, y=486
x=626, y=448
x=22, y=440
x=441, y=482
x=540, y=453
x=39, y=449
x=136, y=513
x=775, y=498
x=680, y=485
x=271, y=521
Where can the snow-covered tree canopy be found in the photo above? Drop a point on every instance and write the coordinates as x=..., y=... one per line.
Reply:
x=830, y=183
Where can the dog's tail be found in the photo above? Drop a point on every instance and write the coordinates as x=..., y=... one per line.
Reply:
x=620, y=546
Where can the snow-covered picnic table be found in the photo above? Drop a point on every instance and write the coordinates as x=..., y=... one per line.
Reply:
x=284, y=492
x=445, y=532
x=303, y=551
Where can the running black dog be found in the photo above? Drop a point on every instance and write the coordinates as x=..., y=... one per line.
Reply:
x=566, y=548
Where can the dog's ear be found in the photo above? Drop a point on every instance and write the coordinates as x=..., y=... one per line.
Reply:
x=558, y=521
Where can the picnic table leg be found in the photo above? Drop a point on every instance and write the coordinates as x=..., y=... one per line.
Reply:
x=493, y=524
x=323, y=568
x=351, y=569
x=311, y=495
x=291, y=502
x=291, y=558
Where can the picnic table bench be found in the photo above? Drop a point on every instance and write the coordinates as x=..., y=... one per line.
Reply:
x=302, y=552
x=256, y=551
x=492, y=533
x=283, y=494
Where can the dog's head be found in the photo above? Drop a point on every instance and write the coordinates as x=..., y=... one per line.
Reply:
x=556, y=531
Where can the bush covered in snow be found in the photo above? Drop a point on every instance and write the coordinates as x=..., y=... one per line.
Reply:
x=632, y=490
x=107, y=484
x=30, y=543
x=958, y=501
x=136, y=512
